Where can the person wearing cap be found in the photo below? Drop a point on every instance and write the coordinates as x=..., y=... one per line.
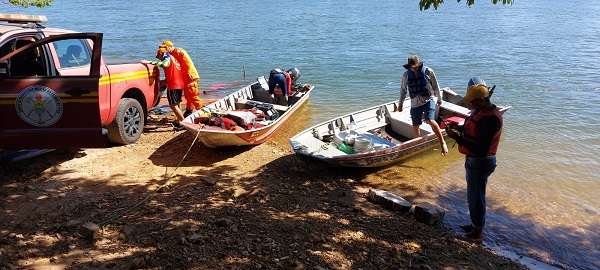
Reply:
x=191, y=89
x=478, y=140
x=175, y=79
x=422, y=87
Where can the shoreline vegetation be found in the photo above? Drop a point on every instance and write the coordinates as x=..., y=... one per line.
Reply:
x=423, y=4
x=234, y=208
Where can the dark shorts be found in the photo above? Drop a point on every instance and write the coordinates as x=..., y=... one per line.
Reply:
x=425, y=111
x=174, y=96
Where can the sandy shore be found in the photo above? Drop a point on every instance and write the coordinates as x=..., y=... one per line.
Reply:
x=246, y=208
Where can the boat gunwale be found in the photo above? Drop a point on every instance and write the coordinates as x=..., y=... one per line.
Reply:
x=405, y=146
x=291, y=109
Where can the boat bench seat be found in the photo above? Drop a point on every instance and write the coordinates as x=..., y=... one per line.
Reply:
x=401, y=123
x=244, y=101
x=455, y=108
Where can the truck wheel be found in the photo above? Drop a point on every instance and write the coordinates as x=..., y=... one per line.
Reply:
x=128, y=125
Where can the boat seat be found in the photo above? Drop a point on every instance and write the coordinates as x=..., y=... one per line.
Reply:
x=401, y=123
x=242, y=101
x=455, y=108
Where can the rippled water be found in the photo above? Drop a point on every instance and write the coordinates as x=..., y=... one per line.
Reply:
x=544, y=56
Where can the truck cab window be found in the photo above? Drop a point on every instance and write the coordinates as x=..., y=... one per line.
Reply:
x=72, y=53
x=31, y=62
x=8, y=47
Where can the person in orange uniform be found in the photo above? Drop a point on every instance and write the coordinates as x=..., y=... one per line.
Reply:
x=175, y=78
x=191, y=88
x=478, y=140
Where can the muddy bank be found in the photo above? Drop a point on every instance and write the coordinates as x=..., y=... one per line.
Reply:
x=247, y=208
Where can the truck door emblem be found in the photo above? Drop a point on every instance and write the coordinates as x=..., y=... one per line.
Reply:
x=39, y=106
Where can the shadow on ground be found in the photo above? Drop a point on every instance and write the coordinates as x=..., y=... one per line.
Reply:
x=170, y=153
x=289, y=213
x=33, y=168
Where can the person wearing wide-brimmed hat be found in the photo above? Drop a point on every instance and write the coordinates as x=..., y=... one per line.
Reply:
x=421, y=84
x=478, y=140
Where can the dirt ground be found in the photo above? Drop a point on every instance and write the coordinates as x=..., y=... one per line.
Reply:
x=238, y=208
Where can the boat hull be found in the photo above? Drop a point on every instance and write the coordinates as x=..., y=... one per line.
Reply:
x=223, y=138
x=380, y=158
x=310, y=142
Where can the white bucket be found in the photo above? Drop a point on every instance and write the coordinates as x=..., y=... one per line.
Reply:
x=362, y=144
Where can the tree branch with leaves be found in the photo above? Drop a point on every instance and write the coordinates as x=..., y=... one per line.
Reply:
x=29, y=3
x=426, y=4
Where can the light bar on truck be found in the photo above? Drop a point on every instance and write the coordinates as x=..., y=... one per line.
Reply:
x=21, y=18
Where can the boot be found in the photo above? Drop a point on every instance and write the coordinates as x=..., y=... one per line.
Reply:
x=476, y=234
x=177, y=126
x=467, y=228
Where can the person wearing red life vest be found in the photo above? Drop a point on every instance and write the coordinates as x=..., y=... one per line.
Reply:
x=191, y=77
x=478, y=140
x=175, y=79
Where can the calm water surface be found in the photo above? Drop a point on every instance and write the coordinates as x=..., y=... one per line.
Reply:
x=544, y=198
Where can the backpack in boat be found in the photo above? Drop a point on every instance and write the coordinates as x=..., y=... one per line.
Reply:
x=267, y=108
x=270, y=112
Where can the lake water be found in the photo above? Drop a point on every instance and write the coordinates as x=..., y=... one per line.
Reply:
x=544, y=57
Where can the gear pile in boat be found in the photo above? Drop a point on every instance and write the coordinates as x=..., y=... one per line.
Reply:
x=351, y=141
x=254, y=106
x=239, y=120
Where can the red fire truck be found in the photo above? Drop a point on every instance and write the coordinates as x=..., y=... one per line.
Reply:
x=57, y=91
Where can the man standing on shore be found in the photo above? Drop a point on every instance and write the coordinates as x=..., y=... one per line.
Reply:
x=174, y=77
x=421, y=84
x=478, y=140
x=191, y=88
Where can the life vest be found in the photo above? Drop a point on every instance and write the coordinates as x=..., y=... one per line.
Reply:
x=187, y=66
x=420, y=86
x=174, y=75
x=471, y=130
x=221, y=122
x=288, y=82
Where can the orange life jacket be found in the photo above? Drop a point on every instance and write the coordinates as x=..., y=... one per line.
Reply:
x=471, y=130
x=187, y=66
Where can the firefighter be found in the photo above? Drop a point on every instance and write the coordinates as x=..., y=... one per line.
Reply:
x=191, y=88
x=478, y=140
x=174, y=76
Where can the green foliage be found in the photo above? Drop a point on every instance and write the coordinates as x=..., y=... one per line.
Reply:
x=30, y=3
x=426, y=4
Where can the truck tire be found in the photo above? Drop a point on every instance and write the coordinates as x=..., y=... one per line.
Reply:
x=128, y=124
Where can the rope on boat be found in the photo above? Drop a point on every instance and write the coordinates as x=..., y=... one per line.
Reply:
x=114, y=215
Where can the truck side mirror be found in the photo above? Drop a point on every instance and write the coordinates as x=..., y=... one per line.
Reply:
x=3, y=69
